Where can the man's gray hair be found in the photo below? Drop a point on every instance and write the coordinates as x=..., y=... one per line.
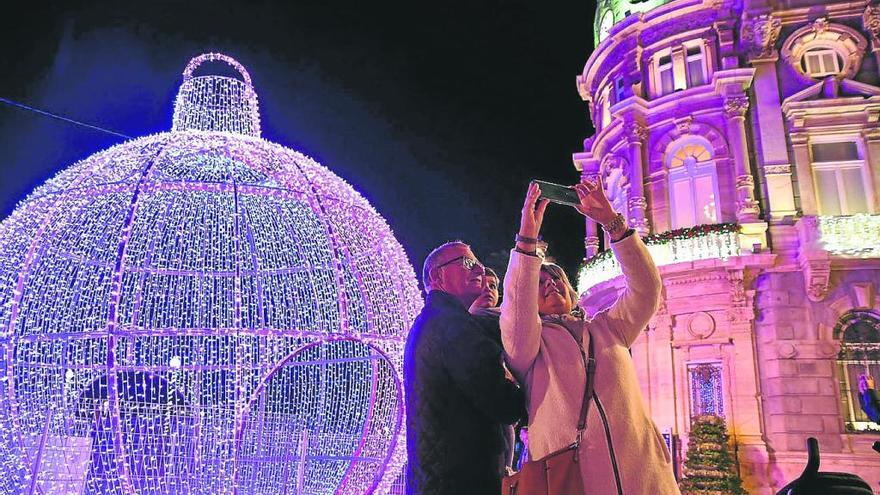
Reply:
x=431, y=261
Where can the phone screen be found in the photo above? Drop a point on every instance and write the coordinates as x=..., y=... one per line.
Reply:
x=558, y=193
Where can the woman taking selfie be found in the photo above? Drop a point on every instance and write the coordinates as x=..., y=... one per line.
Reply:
x=619, y=450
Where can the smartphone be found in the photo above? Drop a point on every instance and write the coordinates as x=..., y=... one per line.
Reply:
x=564, y=195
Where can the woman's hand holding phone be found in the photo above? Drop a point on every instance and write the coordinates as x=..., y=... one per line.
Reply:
x=532, y=217
x=594, y=204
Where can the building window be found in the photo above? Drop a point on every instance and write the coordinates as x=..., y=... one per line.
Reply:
x=665, y=74
x=839, y=176
x=680, y=68
x=696, y=73
x=707, y=394
x=619, y=90
x=693, y=184
x=859, y=333
x=821, y=62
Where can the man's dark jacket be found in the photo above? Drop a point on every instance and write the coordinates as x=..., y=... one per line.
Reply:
x=457, y=399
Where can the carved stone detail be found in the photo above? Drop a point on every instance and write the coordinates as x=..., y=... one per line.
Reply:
x=638, y=203
x=736, y=106
x=817, y=273
x=748, y=208
x=777, y=169
x=745, y=182
x=786, y=350
x=661, y=317
x=683, y=125
x=591, y=241
x=701, y=325
x=871, y=20
x=737, y=286
x=759, y=35
x=635, y=132
x=820, y=25
x=640, y=224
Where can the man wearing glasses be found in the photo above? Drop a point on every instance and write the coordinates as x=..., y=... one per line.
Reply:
x=457, y=397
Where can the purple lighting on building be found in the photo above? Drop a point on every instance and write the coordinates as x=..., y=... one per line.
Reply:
x=201, y=311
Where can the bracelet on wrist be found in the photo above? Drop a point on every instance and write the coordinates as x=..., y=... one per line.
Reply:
x=617, y=224
x=526, y=240
x=527, y=253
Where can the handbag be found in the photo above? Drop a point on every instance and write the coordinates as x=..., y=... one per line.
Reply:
x=558, y=472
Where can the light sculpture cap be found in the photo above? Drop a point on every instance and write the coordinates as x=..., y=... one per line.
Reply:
x=216, y=103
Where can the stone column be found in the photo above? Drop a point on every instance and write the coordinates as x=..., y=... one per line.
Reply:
x=872, y=160
x=800, y=143
x=759, y=35
x=735, y=108
x=679, y=68
x=591, y=237
x=637, y=136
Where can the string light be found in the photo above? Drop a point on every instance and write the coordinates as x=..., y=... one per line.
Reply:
x=855, y=236
x=702, y=242
x=201, y=311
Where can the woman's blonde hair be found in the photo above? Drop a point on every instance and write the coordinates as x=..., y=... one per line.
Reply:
x=556, y=271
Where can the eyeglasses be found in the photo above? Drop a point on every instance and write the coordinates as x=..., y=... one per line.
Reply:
x=467, y=262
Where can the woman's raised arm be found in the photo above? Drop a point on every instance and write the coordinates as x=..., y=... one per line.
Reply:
x=520, y=323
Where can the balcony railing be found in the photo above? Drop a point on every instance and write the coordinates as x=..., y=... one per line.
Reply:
x=719, y=241
x=852, y=236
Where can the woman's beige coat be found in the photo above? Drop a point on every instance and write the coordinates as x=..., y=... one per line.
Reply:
x=622, y=451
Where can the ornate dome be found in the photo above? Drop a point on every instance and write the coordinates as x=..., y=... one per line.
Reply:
x=201, y=311
x=610, y=12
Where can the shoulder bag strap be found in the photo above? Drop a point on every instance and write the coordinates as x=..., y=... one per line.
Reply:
x=590, y=363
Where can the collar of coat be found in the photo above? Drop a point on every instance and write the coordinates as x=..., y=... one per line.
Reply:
x=439, y=299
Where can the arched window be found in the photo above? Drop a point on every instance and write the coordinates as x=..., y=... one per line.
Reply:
x=693, y=183
x=823, y=49
x=859, y=334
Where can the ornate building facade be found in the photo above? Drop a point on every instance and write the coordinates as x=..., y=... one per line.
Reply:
x=742, y=139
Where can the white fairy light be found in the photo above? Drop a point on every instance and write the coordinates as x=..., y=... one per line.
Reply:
x=665, y=249
x=853, y=236
x=201, y=311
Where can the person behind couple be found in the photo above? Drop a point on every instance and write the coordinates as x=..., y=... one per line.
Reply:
x=621, y=451
x=457, y=397
x=488, y=297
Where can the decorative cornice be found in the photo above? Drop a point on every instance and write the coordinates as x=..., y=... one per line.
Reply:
x=736, y=106
x=759, y=35
x=704, y=18
x=871, y=134
x=695, y=279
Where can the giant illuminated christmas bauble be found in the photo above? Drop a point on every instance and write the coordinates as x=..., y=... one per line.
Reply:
x=201, y=312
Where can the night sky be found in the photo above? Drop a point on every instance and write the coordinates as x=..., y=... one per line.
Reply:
x=439, y=113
